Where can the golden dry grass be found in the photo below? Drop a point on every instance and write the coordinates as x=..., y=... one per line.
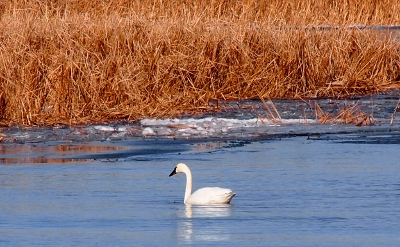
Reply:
x=346, y=115
x=73, y=62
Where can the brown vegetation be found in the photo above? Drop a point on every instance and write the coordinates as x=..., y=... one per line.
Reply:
x=72, y=62
x=347, y=115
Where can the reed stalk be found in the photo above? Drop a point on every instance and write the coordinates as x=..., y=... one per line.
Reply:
x=74, y=62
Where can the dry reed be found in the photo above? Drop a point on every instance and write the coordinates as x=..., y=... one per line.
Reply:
x=73, y=62
x=346, y=115
x=394, y=112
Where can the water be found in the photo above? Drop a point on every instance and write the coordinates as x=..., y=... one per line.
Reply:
x=328, y=190
x=298, y=183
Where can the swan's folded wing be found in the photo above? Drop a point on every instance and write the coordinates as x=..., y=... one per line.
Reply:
x=211, y=195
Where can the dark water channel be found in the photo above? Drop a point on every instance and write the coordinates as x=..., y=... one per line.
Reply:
x=297, y=184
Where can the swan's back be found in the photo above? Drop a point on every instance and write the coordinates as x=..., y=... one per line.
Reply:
x=211, y=195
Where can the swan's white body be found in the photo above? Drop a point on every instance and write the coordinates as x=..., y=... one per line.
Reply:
x=204, y=196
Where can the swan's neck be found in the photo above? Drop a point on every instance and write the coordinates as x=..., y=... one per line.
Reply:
x=188, y=190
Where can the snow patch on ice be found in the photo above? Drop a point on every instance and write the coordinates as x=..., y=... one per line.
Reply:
x=210, y=126
x=104, y=128
x=148, y=131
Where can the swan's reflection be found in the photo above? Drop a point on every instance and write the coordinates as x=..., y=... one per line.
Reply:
x=204, y=223
x=213, y=211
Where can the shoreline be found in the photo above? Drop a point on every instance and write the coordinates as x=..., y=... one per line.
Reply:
x=248, y=119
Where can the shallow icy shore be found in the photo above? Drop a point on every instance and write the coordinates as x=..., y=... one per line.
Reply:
x=238, y=119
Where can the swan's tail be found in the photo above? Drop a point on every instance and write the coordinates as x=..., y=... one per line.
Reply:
x=229, y=196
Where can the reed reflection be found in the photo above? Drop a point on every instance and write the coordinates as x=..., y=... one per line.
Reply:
x=19, y=154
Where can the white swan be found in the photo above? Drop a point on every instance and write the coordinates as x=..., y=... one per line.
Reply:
x=204, y=196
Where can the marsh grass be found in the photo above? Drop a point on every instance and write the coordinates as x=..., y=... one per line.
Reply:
x=394, y=112
x=346, y=115
x=73, y=62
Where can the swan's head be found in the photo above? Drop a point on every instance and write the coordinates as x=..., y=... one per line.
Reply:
x=179, y=168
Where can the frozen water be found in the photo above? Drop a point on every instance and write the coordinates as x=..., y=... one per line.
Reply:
x=148, y=132
x=104, y=128
x=236, y=119
x=210, y=126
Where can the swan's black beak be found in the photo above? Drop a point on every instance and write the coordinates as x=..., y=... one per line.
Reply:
x=173, y=172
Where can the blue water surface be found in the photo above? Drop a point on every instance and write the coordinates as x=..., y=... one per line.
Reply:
x=295, y=191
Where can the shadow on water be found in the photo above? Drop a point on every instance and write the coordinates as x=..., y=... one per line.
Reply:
x=142, y=149
x=375, y=137
x=148, y=149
